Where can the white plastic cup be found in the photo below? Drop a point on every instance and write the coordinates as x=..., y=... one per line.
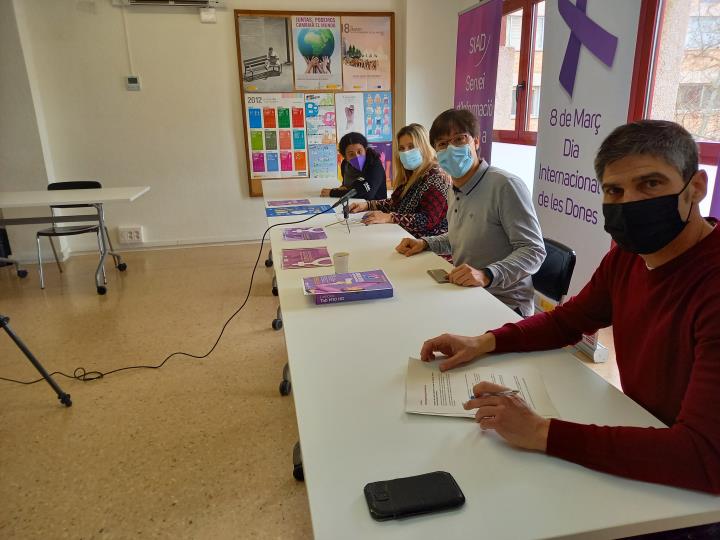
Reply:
x=341, y=261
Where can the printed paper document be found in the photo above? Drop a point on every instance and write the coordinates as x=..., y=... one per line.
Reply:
x=431, y=391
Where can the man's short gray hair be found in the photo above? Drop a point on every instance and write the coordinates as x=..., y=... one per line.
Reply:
x=659, y=138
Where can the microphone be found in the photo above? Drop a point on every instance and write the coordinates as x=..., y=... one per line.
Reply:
x=363, y=186
x=348, y=195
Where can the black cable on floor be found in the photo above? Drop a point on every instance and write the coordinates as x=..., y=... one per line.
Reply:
x=81, y=374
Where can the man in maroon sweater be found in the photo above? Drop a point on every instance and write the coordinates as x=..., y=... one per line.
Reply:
x=660, y=290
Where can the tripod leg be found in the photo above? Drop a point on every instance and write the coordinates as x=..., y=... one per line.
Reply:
x=62, y=396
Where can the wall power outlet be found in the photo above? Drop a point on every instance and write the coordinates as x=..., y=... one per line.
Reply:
x=131, y=234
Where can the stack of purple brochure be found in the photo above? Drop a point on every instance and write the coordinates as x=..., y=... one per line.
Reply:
x=302, y=210
x=288, y=202
x=337, y=288
x=305, y=258
x=304, y=233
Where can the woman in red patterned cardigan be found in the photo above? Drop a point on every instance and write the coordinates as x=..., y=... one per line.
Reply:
x=419, y=199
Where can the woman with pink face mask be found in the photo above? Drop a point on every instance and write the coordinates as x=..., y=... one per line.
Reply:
x=361, y=169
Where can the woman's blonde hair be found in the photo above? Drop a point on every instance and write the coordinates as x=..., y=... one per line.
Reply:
x=421, y=141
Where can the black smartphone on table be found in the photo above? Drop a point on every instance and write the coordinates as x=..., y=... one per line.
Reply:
x=413, y=495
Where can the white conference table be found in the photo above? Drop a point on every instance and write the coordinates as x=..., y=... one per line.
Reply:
x=93, y=197
x=348, y=365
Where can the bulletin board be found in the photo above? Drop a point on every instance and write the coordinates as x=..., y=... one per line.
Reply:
x=306, y=79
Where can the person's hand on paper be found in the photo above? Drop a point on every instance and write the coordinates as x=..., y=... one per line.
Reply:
x=356, y=207
x=376, y=217
x=411, y=246
x=510, y=416
x=459, y=349
x=467, y=276
x=325, y=192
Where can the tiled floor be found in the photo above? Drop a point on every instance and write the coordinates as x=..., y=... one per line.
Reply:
x=198, y=449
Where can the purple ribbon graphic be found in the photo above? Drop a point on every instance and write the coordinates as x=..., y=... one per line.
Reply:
x=583, y=31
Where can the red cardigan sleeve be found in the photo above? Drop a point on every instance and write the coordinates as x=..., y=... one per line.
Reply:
x=687, y=454
x=585, y=313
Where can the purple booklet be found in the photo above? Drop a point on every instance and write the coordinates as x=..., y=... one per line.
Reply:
x=337, y=288
x=305, y=258
x=288, y=202
x=302, y=210
x=304, y=233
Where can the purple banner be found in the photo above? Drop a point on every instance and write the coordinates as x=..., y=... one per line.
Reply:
x=476, y=59
x=715, y=202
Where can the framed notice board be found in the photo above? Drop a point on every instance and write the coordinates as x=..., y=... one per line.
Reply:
x=306, y=79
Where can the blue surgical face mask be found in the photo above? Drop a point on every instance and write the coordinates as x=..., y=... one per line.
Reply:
x=411, y=159
x=456, y=160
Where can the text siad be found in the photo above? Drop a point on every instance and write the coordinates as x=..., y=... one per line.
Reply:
x=478, y=43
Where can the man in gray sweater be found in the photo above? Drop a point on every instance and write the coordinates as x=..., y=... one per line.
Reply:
x=493, y=233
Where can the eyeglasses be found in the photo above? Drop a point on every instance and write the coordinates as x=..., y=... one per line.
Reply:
x=457, y=140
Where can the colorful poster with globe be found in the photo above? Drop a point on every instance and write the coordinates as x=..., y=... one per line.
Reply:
x=366, y=53
x=316, y=41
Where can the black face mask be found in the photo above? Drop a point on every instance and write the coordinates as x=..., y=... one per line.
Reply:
x=645, y=226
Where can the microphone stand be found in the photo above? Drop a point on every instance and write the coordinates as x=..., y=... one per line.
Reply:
x=62, y=396
x=346, y=213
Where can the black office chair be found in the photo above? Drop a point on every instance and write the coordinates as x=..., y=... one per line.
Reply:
x=553, y=278
x=72, y=230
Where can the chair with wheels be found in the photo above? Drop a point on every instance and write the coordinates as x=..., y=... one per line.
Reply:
x=5, y=251
x=21, y=272
x=553, y=279
x=103, y=238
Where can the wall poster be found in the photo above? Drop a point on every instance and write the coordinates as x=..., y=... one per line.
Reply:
x=349, y=113
x=316, y=41
x=276, y=135
x=266, y=60
x=366, y=58
x=306, y=79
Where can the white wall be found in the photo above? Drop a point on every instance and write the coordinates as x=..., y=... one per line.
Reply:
x=22, y=166
x=181, y=135
x=430, y=50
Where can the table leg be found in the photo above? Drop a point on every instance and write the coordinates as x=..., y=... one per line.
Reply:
x=298, y=472
x=286, y=383
x=101, y=289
